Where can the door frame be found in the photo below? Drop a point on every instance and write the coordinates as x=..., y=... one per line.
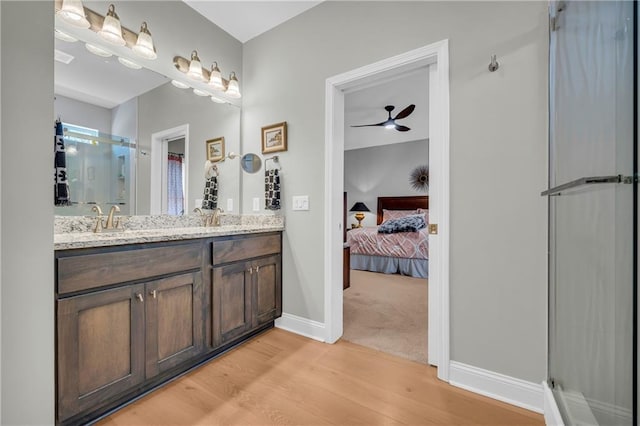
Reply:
x=159, y=152
x=435, y=56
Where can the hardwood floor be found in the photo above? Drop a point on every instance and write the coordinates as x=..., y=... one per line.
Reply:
x=285, y=379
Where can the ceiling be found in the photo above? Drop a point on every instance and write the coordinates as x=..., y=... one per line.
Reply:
x=365, y=105
x=245, y=20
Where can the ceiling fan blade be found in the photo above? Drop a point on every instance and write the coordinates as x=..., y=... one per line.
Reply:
x=367, y=125
x=405, y=112
x=401, y=128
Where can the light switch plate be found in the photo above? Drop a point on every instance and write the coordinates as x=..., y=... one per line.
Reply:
x=229, y=205
x=256, y=204
x=300, y=202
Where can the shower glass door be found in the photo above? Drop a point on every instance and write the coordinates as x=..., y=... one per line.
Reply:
x=592, y=238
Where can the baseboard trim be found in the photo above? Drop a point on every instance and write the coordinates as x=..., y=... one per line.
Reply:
x=305, y=327
x=498, y=386
x=552, y=416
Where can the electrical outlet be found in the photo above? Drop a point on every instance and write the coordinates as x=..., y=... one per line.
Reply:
x=229, y=205
x=256, y=204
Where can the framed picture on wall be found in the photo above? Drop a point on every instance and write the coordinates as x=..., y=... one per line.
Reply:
x=274, y=138
x=215, y=149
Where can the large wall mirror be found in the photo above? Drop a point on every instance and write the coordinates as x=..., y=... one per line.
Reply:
x=134, y=139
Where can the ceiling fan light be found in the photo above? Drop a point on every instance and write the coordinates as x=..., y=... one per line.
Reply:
x=98, y=50
x=72, y=12
x=64, y=36
x=179, y=84
x=390, y=126
x=129, y=63
x=215, y=78
x=111, y=30
x=233, y=89
x=144, y=45
x=195, y=68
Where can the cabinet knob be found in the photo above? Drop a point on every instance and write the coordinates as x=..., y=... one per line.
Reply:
x=153, y=293
x=139, y=297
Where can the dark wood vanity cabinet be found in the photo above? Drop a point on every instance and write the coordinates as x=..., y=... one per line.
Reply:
x=123, y=331
x=246, y=285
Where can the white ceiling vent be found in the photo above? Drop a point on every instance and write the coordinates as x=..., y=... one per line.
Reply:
x=65, y=58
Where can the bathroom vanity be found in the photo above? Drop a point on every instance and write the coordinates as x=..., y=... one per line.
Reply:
x=136, y=309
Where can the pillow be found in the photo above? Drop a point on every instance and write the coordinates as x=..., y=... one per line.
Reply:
x=411, y=223
x=425, y=212
x=396, y=214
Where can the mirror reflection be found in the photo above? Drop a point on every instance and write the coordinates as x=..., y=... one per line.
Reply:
x=135, y=140
x=251, y=163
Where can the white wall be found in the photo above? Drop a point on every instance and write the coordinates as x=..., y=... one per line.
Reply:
x=82, y=114
x=381, y=171
x=498, y=156
x=27, y=213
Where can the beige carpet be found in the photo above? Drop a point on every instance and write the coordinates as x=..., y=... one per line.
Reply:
x=387, y=313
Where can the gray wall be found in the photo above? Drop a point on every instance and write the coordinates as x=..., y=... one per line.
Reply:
x=166, y=107
x=27, y=213
x=498, y=156
x=82, y=114
x=381, y=171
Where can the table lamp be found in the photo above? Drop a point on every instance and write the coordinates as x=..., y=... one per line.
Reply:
x=359, y=208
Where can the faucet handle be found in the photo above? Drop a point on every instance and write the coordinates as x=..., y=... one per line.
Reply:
x=96, y=208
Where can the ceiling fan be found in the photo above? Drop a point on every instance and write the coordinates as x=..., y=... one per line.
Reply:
x=390, y=123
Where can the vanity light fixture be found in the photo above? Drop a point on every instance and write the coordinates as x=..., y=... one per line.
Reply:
x=233, y=90
x=195, y=68
x=179, y=84
x=144, y=44
x=64, y=37
x=129, y=63
x=72, y=12
x=97, y=50
x=200, y=92
x=111, y=29
x=215, y=78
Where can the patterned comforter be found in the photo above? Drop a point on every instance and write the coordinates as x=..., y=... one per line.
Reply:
x=409, y=245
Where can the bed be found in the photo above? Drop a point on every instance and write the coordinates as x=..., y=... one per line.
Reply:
x=405, y=253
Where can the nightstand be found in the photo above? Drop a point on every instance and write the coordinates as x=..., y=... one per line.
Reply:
x=346, y=266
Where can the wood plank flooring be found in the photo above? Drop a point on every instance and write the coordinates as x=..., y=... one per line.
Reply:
x=280, y=378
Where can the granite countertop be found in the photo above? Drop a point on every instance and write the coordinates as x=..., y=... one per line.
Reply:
x=74, y=232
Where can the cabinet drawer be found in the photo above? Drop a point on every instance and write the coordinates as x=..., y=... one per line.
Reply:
x=245, y=248
x=77, y=273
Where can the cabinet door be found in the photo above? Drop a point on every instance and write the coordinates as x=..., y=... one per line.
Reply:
x=174, y=325
x=231, y=308
x=267, y=289
x=100, y=347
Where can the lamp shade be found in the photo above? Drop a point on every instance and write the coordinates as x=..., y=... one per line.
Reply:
x=359, y=207
x=144, y=44
x=233, y=90
x=195, y=68
x=111, y=30
x=215, y=78
x=72, y=12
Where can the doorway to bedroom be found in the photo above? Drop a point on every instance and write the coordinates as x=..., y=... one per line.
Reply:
x=434, y=59
x=386, y=183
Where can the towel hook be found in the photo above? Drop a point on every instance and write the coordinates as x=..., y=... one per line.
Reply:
x=494, y=65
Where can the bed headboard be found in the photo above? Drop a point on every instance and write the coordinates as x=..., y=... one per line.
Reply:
x=402, y=203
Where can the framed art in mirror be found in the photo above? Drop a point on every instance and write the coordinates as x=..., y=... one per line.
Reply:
x=274, y=138
x=215, y=149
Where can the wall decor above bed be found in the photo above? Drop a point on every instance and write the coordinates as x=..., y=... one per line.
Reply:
x=419, y=178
